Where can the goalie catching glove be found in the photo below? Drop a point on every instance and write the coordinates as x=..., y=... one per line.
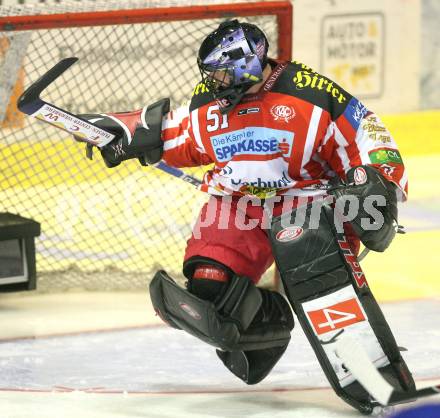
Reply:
x=376, y=195
x=138, y=134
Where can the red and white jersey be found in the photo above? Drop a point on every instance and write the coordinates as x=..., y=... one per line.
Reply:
x=291, y=138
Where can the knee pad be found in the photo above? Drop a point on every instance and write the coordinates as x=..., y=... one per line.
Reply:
x=208, y=279
x=330, y=295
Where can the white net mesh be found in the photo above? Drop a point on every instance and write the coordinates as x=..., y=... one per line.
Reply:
x=101, y=228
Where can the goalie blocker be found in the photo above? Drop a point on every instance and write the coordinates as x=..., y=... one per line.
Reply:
x=331, y=297
x=138, y=134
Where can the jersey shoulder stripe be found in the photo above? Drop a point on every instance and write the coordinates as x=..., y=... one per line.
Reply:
x=301, y=81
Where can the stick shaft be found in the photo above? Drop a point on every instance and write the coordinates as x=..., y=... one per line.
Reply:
x=31, y=104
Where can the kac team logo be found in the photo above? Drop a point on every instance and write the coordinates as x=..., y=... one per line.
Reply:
x=282, y=112
x=359, y=112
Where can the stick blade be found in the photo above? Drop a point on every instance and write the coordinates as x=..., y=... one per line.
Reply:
x=30, y=98
x=357, y=361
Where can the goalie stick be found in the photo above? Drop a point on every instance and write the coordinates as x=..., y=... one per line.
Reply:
x=31, y=104
x=357, y=361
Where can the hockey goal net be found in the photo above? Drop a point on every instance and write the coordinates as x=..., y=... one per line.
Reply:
x=106, y=228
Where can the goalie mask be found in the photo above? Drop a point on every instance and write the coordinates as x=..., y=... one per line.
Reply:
x=231, y=60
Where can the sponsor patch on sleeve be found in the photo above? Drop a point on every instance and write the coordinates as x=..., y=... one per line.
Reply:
x=355, y=112
x=385, y=156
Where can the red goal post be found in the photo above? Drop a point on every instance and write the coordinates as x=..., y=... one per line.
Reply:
x=106, y=229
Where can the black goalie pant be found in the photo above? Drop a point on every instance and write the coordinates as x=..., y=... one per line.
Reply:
x=330, y=296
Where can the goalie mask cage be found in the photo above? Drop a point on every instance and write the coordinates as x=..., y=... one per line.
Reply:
x=106, y=228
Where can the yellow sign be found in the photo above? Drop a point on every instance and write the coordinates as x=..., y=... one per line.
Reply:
x=352, y=52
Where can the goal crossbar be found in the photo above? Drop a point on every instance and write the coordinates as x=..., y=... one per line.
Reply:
x=282, y=10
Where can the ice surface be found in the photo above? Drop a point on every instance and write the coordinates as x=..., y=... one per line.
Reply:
x=157, y=371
